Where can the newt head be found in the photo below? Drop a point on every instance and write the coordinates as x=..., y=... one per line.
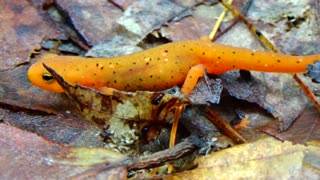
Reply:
x=40, y=77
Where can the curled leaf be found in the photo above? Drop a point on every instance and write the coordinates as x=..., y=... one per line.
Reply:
x=122, y=114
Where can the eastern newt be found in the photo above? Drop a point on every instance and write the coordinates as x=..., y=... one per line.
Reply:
x=162, y=67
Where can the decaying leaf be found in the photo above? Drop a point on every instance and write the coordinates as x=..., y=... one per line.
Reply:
x=122, y=111
x=207, y=91
x=279, y=94
x=303, y=130
x=292, y=27
x=136, y=106
x=94, y=20
x=111, y=49
x=264, y=159
x=201, y=20
x=23, y=28
x=142, y=17
x=67, y=129
x=17, y=91
x=40, y=158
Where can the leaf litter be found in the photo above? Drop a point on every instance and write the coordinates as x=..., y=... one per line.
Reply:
x=228, y=38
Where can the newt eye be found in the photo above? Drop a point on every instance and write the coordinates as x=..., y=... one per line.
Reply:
x=47, y=77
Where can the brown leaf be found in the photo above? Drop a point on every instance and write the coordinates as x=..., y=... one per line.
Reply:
x=122, y=3
x=303, y=130
x=17, y=91
x=288, y=26
x=142, y=105
x=142, y=17
x=121, y=112
x=94, y=20
x=200, y=21
x=68, y=129
x=264, y=159
x=279, y=94
x=22, y=29
x=294, y=38
x=38, y=157
x=198, y=25
x=206, y=91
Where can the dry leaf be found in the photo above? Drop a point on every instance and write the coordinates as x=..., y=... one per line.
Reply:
x=17, y=91
x=303, y=130
x=94, y=20
x=39, y=158
x=264, y=159
x=142, y=17
x=123, y=114
x=279, y=94
x=22, y=29
x=64, y=128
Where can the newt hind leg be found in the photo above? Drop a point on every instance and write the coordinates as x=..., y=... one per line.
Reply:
x=191, y=80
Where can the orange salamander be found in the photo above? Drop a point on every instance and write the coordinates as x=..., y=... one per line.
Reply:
x=162, y=67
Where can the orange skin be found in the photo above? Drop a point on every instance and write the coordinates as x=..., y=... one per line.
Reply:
x=162, y=67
